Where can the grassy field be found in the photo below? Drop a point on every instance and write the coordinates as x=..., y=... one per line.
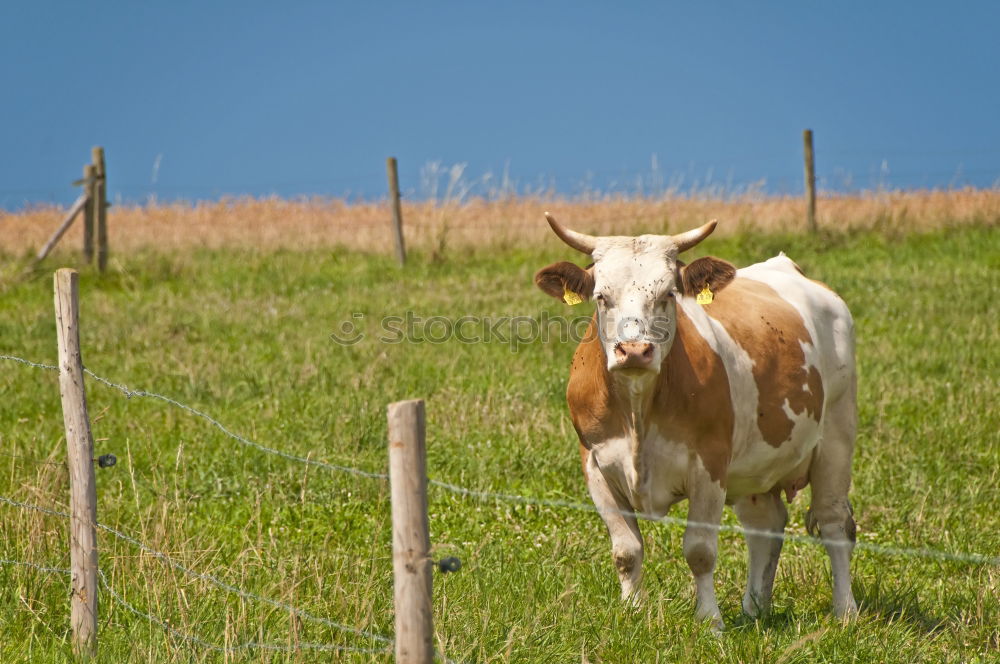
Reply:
x=244, y=334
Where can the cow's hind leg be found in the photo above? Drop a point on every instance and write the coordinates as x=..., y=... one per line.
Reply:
x=764, y=517
x=623, y=527
x=830, y=512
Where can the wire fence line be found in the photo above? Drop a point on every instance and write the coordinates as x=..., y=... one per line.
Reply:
x=235, y=436
x=248, y=645
x=385, y=643
x=129, y=393
x=923, y=552
x=971, y=558
x=203, y=576
x=29, y=363
x=197, y=640
x=35, y=566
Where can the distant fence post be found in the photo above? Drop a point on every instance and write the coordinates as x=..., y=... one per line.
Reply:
x=89, y=211
x=80, y=450
x=100, y=193
x=807, y=140
x=411, y=563
x=397, y=210
x=81, y=202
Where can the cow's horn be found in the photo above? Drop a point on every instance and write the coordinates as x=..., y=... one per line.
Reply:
x=685, y=241
x=579, y=241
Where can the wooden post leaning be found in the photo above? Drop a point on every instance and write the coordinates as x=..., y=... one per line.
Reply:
x=80, y=450
x=411, y=562
x=74, y=210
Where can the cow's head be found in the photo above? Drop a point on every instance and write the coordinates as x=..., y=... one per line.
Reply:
x=635, y=282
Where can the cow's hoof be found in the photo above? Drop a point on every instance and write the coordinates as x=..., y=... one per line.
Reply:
x=633, y=599
x=713, y=620
x=754, y=608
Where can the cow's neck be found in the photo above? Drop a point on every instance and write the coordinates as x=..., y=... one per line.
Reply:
x=635, y=398
x=639, y=397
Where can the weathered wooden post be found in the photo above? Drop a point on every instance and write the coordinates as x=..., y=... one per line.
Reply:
x=74, y=210
x=100, y=192
x=807, y=139
x=411, y=562
x=80, y=450
x=392, y=170
x=89, y=211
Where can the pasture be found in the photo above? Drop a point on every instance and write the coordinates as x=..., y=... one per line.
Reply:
x=244, y=334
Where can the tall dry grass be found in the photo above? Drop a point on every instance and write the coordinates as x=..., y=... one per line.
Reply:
x=274, y=223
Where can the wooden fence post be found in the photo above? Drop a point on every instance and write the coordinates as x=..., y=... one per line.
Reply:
x=89, y=178
x=397, y=210
x=100, y=192
x=80, y=449
x=74, y=210
x=411, y=563
x=807, y=140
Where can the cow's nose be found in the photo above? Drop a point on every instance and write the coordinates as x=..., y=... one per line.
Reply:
x=634, y=354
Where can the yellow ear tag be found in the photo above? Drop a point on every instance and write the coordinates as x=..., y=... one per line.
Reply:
x=705, y=296
x=571, y=298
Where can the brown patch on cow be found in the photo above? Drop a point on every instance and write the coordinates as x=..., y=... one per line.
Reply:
x=706, y=271
x=596, y=414
x=771, y=331
x=693, y=403
x=556, y=278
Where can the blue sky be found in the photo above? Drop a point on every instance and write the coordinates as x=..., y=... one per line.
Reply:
x=310, y=97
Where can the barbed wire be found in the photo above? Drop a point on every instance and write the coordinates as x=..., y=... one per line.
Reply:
x=235, y=436
x=248, y=645
x=29, y=363
x=970, y=558
x=204, y=576
x=166, y=626
x=214, y=580
x=129, y=394
x=973, y=558
x=36, y=566
x=34, y=508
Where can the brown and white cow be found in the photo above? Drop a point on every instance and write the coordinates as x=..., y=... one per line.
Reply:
x=724, y=402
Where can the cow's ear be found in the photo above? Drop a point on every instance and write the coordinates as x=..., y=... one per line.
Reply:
x=707, y=271
x=558, y=278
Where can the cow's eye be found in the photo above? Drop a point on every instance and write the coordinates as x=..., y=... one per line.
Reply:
x=603, y=299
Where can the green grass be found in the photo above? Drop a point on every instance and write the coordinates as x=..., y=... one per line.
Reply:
x=245, y=336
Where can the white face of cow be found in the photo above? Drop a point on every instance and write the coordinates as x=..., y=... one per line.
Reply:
x=635, y=282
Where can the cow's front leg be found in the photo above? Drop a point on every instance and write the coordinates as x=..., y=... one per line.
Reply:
x=701, y=542
x=623, y=527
